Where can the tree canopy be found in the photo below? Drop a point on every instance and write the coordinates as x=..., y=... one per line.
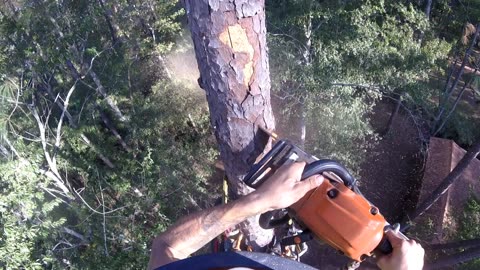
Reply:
x=103, y=146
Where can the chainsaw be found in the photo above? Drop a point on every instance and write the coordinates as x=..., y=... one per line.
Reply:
x=336, y=212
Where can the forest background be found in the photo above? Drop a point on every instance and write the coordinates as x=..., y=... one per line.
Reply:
x=105, y=137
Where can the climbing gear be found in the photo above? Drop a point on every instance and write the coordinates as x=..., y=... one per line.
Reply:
x=335, y=212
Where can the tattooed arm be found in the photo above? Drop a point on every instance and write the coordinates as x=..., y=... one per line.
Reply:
x=194, y=231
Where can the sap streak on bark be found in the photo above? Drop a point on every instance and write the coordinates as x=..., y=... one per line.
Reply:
x=230, y=47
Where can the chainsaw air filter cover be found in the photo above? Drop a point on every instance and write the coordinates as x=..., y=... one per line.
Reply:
x=341, y=218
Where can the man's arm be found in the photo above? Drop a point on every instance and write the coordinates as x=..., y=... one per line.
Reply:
x=194, y=231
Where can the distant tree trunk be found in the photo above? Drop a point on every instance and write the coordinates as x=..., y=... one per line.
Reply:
x=303, y=124
x=471, y=154
x=100, y=90
x=455, y=245
x=446, y=97
x=112, y=26
x=307, y=61
x=112, y=128
x=428, y=8
x=457, y=100
x=458, y=258
x=398, y=104
x=5, y=153
x=111, y=103
x=230, y=47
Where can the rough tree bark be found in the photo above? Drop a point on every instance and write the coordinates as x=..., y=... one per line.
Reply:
x=471, y=154
x=230, y=47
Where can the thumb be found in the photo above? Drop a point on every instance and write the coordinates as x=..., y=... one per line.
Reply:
x=309, y=183
x=395, y=240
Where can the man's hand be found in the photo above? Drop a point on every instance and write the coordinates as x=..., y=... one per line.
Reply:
x=406, y=254
x=284, y=187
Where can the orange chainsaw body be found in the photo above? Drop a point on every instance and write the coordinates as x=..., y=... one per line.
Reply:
x=342, y=218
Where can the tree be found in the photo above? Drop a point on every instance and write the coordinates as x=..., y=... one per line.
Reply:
x=451, y=87
x=231, y=52
x=359, y=52
x=455, y=259
x=446, y=183
x=455, y=245
x=97, y=145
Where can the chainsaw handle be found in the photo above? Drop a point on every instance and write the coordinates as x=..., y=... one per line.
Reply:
x=267, y=221
x=385, y=247
x=324, y=165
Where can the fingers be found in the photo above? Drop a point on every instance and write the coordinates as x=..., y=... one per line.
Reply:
x=395, y=240
x=292, y=171
x=309, y=184
x=296, y=169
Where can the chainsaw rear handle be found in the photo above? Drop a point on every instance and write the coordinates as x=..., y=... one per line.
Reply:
x=328, y=165
x=267, y=220
x=385, y=247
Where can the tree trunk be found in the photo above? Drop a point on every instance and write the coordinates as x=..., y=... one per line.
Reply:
x=230, y=47
x=443, y=102
x=112, y=26
x=5, y=153
x=111, y=103
x=471, y=154
x=457, y=100
x=448, y=261
x=455, y=245
x=112, y=128
x=394, y=114
x=428, y=8
x=303, y=124
x=307, y=61
x=100, y=155
x=100, y=90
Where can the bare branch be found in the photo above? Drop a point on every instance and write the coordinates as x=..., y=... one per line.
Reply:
x=74, y=234
x=53, y=172
x=102, y=157
x=60, y=121
x=104, y=222
x=94, y=210
x=111, y=103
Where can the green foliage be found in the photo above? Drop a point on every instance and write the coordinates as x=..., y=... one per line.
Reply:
x=469, y=227
x=356, y=52
x=161, y=157
x=462, y=128
x=26, y=219
x=343, y=134
x=449, y=17
x=470, y=220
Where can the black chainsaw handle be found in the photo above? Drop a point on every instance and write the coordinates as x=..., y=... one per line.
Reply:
x=328, y=165
x=266, y=220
